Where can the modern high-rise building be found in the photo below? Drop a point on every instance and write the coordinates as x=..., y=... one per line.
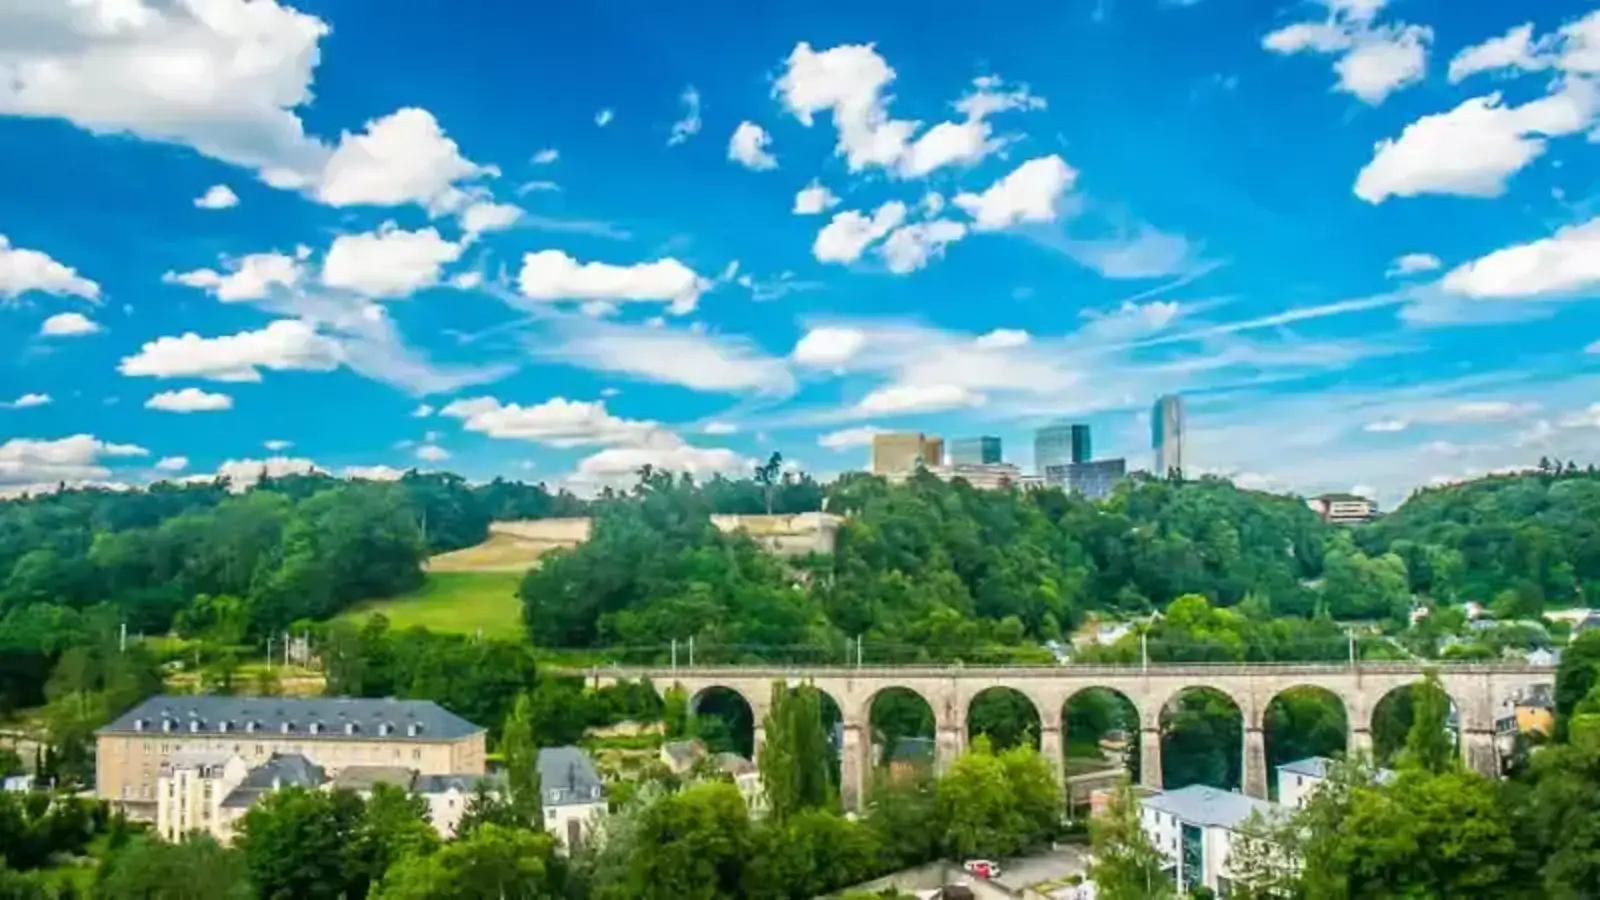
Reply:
x=1082, y=449
x=1095, y=479
x=899, y=453
x=1166, y=435
x=1052, y=446
x=975, y=451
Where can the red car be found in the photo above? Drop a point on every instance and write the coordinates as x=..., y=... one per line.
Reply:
x=982, y=868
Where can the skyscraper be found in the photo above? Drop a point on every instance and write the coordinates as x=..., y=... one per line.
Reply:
x=981, y=451
x=1052, y=446
x=1166, y=435
x=1082, y=450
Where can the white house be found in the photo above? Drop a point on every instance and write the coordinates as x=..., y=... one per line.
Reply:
x=574, y=797
x=190, y=788
x=746, y=777
x=1299, y=779
x=1196, y=829
x=449, y=795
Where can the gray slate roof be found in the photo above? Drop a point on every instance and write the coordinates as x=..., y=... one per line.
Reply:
x=1198, y=804
x=465, y=783
x=1317, y=767
x=281, y=770
x=344, y=718
x=566, y=776
x=365, y=778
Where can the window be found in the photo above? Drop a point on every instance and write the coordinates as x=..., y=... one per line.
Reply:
x=416, y=755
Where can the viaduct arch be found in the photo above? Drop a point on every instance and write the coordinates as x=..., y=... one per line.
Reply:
x=1475, y=688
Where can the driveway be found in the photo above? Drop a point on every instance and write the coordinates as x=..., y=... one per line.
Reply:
x=1044, y=868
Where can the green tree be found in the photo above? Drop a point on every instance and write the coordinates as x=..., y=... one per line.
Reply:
x=795, y=758
x=301, y=844
x=520, y=747
x=197, y=868
x=692, y=845
x=394, y=824
x=1126, y=866
x=492, y=862
x=997, y=806
x=1430, y=745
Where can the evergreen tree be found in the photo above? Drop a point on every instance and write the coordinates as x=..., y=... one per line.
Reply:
x=520, y=749
x=1429, y=743
x=795, y=759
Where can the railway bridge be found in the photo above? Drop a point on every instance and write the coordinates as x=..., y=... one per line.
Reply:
x=1476, y=690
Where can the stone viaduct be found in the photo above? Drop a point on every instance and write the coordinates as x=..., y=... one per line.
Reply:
x=1475, y=688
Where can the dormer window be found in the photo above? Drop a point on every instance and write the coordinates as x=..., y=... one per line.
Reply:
x=166, y=725
x=414, y=729
x=251, y=726
x=315, y=728
x=384, y=729
x=288, y=727
x=138, y=724
x=194, y=725
x=224, y=725
x=351, y=728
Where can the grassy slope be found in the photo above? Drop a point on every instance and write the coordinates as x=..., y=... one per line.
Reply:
x=459, y=602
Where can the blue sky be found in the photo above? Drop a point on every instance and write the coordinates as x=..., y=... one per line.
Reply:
x=1358, y=236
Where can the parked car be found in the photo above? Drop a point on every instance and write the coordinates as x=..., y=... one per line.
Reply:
x=982, y=868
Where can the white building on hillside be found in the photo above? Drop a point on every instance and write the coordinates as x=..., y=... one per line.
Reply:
x=190, y=789
x=574, y=797
x=1299, y=779
x=1196, y=828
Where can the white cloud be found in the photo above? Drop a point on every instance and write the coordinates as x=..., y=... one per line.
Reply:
x=81, y=457
x=172, y=463
x=189, y=400
x=277, y=446
x=404, y=157
x=432, y=453
x=695, y=360
x=218, y=196
x=917, y=398
x=551, y=275
x=389, y=262
x=1130, y=320
x=23, y=271
x=814, y=199
x=604, y=117
x=910, y=247
x=29, y=400
x=1464, y=412
x=846, y=438
x=619, y=466
x=1474, y=149
x=1387, y=426
x=849, y=82
x=546, y=156
x=251, y=277
x=1515, y=49
x=1593, y=348
x=286, y=344
x=1412, y=264
x=373, y=473
x=558, y=422
x=1373, y=60
x=483, y=217
x=719, y=428
x=1563, y=264
x=114, y=68
x=1147, y=253
x=422, y=411
x=1001, y=339
x=1030, y=193
x=688, y=126
x=242, y=474
x=828, y=346
x=748, y=147
x=848, y=234
x=68, y=324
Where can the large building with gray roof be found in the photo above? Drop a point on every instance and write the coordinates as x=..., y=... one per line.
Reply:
x=334, y=733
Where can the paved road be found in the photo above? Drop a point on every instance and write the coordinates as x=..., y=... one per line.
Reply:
x=1053, y=865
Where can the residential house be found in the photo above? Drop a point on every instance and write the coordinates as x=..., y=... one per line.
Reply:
x=746, y=777
x=278, y=772
x=448, y=797
x=911, y=757
x=1297, y=780
x=17, y=784
x=191, y=788
x=1196, y=828
x=680, y=756
x=574, y=797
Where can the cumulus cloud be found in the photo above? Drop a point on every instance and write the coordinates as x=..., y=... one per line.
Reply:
x=218, y=196
x=1562, y=265
x=1001, y=339
x=404, y=157
x=814, y=199
x=693, y=359
x=1030, y=193
x=1413, y=264
x=432, y=453
x=373, y=473
x=189, y=400
x=828, y=346
x=848, y=234
x=558, y=422
x=284, y=345
x=251, y=277
x=911, y=247
x=389, y=262
x=68, y=324
x=29, y=400
x=24, y=271
x=1372, y=59
x=172, y=463
x=277, y=445
x=243, y=474
x=552, y=275
x=903, y=399
x=850, y=82
x=619, y=466
x=546, y=156
x=749, y=147
x=75, y=459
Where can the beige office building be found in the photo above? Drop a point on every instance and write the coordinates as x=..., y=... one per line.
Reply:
x=898, y=453
x=331, y=733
